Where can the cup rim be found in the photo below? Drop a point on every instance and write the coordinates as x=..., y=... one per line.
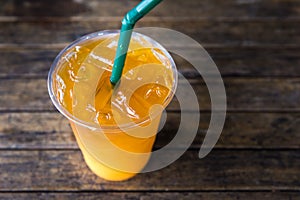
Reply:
x=92, y=126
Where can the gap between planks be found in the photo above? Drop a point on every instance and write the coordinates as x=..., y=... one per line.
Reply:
x=60, y=46
x=148, y=19
x=149, y=191
x=191, y=149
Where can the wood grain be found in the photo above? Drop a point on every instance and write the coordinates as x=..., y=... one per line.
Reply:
x=220, y=170
x=250, y=94
x=255, y=44
x=24, y=94
x=241, y=131
x=151, y=195
x=226, y=32
x=176, y=8
x=254, y=62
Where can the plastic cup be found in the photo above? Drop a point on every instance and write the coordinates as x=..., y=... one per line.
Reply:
x=114, y=153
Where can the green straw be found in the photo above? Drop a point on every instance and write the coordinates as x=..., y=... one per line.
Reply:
x=128, y=23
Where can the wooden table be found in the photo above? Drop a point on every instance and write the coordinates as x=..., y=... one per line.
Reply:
x=255, y=44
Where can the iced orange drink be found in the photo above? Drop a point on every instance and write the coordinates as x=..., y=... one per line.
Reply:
x=115, y=126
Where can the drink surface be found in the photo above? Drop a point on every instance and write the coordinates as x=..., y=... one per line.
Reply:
x=81, y=85
x=78, y=71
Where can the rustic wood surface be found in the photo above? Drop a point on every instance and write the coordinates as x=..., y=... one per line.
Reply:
x=40, y=130
x=256, y=46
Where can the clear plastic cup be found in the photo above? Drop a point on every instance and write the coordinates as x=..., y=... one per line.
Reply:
x=113, y=152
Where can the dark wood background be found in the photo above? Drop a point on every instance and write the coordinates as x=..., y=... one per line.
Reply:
x=255, y=44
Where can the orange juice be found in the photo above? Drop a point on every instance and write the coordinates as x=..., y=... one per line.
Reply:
x=114, y=125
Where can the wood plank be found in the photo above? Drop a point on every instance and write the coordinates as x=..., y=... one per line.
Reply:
x=220, y=170
x=24, y=94
x=243, y=94
x=35, y=130
x=257, y=62
x=242, y=130
x=226, y=32
x=204, y=8
x=26, y=62
x=276, y=195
